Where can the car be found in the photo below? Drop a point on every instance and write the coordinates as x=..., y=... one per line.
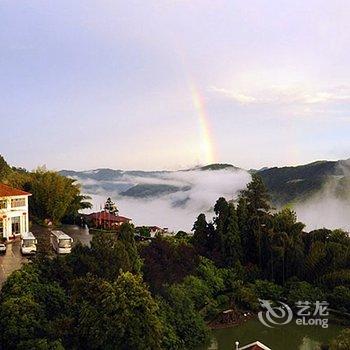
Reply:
x=2, y=248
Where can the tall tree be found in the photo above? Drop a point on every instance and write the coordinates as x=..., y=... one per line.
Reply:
x=127, y=237
x=111, y=207
x=232, y=239
x=5, y=169
x=200, y=234
x=257, y=199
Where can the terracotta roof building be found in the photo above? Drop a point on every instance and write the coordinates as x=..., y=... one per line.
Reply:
x=105, y=219
x=14, y=214
x=7, y=191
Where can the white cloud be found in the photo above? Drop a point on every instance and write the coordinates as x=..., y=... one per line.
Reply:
x=178, y=210
x=281, y=95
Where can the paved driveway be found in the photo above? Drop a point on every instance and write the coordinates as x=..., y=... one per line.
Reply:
x=11, y=261
x=13, y=258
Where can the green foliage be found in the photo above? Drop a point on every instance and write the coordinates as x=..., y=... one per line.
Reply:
x=111, y=207
x=254, y=216
x=340, y=298
x=52, y=194
x=342, y=341
x=54, y=197
x=28, y=307
x=167, y=261
x=118, y=315
x=289, y=184
x=5, y=169
x=267, y=290
x=303, y=291
x=179, y=313
x=126, y=236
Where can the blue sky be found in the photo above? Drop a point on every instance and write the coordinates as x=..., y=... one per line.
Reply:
x=87, y=84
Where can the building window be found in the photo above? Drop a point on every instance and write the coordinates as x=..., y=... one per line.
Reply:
x=18, y=202
x=3, y=204
x=1, y=228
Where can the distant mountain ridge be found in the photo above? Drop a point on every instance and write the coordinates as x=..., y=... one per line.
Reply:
x=286, y=184
x=290, y=184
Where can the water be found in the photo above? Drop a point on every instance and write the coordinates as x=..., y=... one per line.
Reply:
x=287, y=337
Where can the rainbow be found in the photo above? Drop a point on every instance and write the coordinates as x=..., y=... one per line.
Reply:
x=206, y=145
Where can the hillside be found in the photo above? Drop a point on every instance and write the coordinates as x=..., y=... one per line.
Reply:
x=290, y=184
x=285, y=184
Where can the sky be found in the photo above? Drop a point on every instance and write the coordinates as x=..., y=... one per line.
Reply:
x=170, y=84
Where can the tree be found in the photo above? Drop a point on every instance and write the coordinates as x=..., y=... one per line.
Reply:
x=221, y=210
x=127, y=237
x=200, y=234
x=54, y=196
x=29, y=306
x=178, y=311
x=257, y=209
x=342, y=341
x=119, y=315
x=166, y=262
x=232, y=239
x=111, y=207
x=110, y=256
x=5, y=169
x=286, y=246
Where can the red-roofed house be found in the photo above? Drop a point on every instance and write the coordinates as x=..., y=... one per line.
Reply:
x=14, y=216
x=105, y=219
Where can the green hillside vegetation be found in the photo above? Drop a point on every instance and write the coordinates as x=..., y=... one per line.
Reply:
x=289, y=184
x=165, y=294
x=54, y=197
x=218, y=166
x=152, y=190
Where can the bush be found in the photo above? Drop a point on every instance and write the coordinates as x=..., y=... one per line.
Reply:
x=267, y=290
x=303, y=291
x=342, y=341
x=340, y=298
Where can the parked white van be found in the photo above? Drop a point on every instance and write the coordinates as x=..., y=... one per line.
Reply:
x=61, y=242
x=28, y=243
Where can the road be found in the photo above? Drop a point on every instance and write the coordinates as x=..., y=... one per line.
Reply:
x=13, y=259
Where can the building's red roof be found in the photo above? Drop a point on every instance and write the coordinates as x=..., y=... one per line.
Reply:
x=106, y=216
x=7, y=191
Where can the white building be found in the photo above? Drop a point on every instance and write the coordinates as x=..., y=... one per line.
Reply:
x=14, y=216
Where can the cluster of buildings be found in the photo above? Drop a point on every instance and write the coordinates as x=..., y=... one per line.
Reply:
x=14, y=216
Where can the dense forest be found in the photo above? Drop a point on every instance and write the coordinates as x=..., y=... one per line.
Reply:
x=165, y=294
x=55, y=198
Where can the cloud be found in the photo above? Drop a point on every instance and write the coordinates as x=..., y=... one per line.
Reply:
x=330, y=207
x=282, y=95
x=199, y=190
x=178, y=210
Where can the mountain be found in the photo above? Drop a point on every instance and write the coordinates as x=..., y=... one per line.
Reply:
x=291, y=184
x=285, y=184
x=140, y=184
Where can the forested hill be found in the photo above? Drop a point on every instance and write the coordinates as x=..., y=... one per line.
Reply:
x=290, y=184
x=285, y=184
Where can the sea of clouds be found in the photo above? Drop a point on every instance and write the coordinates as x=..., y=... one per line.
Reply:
x=178, y=210
x=198, y=194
